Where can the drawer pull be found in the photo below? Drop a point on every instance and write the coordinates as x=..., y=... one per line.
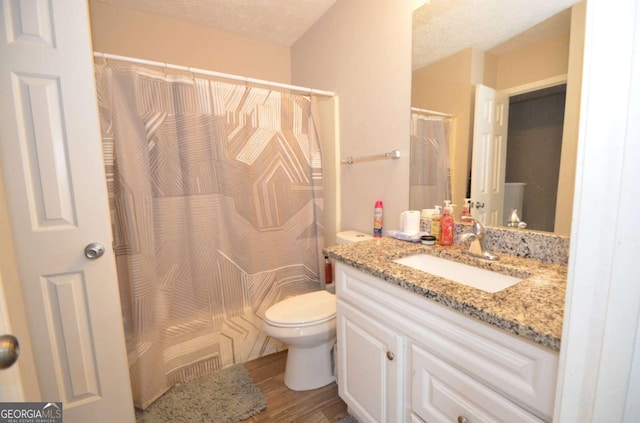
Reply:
x=390, y=355
x=462, y=419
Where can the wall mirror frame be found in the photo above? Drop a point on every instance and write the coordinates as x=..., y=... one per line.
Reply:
x=543, y=49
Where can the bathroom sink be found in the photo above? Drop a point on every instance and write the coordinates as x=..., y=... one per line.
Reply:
x=482, y=279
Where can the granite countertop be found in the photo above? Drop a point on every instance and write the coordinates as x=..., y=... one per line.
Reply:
x=532, y=309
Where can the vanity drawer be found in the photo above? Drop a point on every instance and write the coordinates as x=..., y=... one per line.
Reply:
x=515, y=368
x=442, y=393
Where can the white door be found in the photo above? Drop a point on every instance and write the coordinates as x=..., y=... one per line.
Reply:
x=55, y=189
x=370, y=367
x=489, y=154
x=11, y=389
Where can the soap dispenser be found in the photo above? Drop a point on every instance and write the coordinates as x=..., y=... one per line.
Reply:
x=446, y=225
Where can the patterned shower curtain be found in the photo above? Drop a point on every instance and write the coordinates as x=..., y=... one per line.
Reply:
x=429, y=172
x=215, y=192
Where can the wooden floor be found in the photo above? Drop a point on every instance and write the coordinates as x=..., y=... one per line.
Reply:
x=320, y=405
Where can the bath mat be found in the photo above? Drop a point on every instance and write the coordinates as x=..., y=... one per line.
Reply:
x=348, y=419
x=226, y=396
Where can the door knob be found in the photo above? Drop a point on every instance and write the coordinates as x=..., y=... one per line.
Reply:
x=479, y=205
x=9, y=351
x=94, y=250
x=390, y=355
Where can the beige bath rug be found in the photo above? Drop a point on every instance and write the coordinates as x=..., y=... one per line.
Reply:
x=227, y=396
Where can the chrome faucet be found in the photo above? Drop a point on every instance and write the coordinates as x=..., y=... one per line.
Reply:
x=478, y=247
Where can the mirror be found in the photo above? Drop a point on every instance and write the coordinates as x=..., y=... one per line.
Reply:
x=514, y=47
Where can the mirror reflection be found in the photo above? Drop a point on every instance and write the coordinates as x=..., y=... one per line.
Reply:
x=522, y=76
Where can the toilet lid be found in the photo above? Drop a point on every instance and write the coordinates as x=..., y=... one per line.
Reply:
x=302, y=310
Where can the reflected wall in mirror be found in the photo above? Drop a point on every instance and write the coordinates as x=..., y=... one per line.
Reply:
x=513, y=47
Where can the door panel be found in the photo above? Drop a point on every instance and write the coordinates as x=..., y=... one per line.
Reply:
x=56, y=194
x=489, y=154
x=369, y=365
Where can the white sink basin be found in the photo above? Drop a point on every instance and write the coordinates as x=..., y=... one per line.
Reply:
x=482, y=279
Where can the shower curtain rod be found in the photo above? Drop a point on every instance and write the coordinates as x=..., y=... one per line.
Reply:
x=270, y=84
x=431, y=112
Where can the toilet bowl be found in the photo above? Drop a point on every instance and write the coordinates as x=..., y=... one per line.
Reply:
x=307, y=324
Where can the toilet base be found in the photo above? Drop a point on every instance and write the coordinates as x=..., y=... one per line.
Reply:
x=309, y=368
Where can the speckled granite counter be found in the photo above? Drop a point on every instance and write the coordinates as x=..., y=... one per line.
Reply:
x=532, y=308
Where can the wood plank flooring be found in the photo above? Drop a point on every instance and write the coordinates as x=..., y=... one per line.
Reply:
x=320, y=405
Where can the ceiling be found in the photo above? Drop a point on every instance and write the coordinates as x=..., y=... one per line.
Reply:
x=440, y=28
x=444, y=27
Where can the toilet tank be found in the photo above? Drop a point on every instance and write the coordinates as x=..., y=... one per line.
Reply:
x=345, y=237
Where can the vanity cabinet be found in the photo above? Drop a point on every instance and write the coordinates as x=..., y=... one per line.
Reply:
x=405, y=358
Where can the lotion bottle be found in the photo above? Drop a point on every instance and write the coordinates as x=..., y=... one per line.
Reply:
x=435, y=223
x=446, y=226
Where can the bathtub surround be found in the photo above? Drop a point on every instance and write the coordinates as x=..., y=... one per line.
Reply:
x=215, y=192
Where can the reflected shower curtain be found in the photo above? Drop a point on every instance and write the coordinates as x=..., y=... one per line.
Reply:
x=215, y=192
x=429, y=174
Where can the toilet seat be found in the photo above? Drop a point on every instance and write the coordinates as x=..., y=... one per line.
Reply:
x=302, y=310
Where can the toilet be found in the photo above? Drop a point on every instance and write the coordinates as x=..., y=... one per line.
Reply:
x=307, y=325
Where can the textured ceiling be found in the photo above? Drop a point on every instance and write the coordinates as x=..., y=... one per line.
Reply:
x=444, y=27
x=280, y=22
x=440, y=28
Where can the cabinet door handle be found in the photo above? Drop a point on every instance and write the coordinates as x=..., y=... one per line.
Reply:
x=462, y=419
x=390, y=355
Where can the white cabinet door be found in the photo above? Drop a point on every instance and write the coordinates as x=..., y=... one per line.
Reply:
x=52, y=169
x=370, y=366
x=441, y=393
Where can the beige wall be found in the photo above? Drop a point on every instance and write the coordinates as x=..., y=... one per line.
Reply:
x=539, y=61
x=445, y=86
x=362, y=51
x=130, y=32
x=564, y=203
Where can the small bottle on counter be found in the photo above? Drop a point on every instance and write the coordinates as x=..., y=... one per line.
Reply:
x=466, y=209
x=435, y=223
x=446, y=225
x=425, y=221
x=377, y=219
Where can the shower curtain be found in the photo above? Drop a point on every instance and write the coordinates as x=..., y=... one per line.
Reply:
x=429, y=172
x=215, y=192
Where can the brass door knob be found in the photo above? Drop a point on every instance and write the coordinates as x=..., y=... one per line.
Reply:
x=9, y=351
